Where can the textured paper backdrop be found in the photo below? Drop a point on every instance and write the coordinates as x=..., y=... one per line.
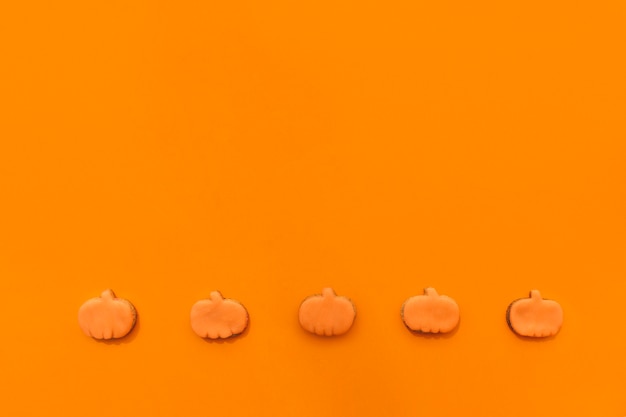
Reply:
x=267, y=149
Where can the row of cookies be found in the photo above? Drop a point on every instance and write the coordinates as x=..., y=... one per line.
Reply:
x=325, y=314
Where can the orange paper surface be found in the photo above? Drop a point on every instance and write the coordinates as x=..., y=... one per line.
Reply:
x=166, y=149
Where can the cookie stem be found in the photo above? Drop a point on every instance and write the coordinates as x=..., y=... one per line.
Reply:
x=431, y=292
x=328, y=292
x=216, y=296
x=108, y=294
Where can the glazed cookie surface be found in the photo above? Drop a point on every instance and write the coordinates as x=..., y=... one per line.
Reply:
x=327, y=314
x=218, y=317
x=535, y=316
x=107, y=317
x=430, y=313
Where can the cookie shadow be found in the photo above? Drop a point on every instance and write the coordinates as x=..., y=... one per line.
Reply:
x=132, y=335
x=231, y=339
x=533, y=339
x=435, y=336
x=315, y=336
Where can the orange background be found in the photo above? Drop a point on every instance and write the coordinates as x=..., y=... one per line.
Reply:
x=267, y=149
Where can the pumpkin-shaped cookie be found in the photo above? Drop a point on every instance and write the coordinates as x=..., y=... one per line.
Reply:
x=218, y=317
x=107, y=317
x=327, y=314
x=430, y=313
x=535, y=316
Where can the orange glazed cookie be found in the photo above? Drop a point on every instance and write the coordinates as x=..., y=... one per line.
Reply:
x=430, y=313
x=107, y=317
x=535, y=316
x=218, y=317
x=327, y=314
